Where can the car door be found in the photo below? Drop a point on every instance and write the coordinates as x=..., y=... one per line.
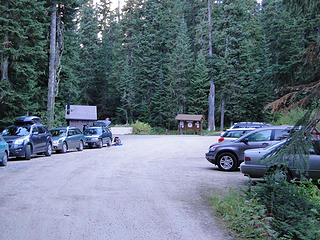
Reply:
x=42, y=138
x=314, y=161
x=35, y=139
x=2, y=147
x=71, y=139
x=104, y=135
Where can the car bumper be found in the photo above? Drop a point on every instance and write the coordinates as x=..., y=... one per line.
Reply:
x=17, y=151
x=91, y=142
x=254, y=171
x=211, y=157
x=57, y=146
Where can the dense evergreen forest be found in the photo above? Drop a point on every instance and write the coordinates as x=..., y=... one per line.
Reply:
x=225, y=59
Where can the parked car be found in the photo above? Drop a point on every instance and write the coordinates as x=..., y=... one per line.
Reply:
x=97, y=136
x=67, y=138
x=28, y=136
x=4, y=152
x=255, y=168
x=233, y=134
x=229, y=155
x=250, y=125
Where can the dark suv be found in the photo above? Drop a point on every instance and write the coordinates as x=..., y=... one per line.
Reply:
x=228, y=156
x=28, y=136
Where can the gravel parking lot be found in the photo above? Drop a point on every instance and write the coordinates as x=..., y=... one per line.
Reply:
x=152, y=187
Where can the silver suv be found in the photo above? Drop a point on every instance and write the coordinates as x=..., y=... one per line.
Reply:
x=229, y=155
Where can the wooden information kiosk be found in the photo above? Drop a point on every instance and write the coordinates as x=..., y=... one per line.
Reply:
x=188, y=121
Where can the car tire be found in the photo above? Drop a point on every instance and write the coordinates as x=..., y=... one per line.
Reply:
x=27, y=154
x=109, y=143
x=4, y=159
x=48, y=152
x=100, y=144
x=80, y=148
x=64, y=147
x=227, y=162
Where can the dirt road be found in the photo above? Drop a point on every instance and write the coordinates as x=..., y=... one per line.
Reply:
x=152, y=187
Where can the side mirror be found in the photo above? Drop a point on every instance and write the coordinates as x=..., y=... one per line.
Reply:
x=245, y=140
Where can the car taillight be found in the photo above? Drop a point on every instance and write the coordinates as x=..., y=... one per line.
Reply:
x=247, y=159
x=220, y=140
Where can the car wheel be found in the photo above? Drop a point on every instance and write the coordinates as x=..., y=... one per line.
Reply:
x=4, y=159
x=49, y=150
x=27, y=154
x=80, y=148
x=109, y=143
x=227, y=162
x=100, y=144
x=64, y=147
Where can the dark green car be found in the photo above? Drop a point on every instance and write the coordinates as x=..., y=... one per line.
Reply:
x=67, y=138
x=97, y=136
x=4, y=152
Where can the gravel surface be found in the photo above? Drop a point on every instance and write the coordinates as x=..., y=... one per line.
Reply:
x=152, y=187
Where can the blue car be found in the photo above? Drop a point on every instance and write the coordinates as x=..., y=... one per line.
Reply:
x=67, y=138
x=97, y=136
x=4, y=152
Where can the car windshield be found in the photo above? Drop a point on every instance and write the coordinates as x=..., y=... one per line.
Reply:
x=16, y=131
x=58, y=132
x=92, y=131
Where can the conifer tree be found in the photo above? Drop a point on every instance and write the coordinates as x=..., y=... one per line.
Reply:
x=179, y=71
x=199, y=90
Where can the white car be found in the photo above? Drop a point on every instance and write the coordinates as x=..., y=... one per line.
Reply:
x=233, y=134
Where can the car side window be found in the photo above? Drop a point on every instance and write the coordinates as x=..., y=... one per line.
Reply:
x=280, y=134
x=78, y=131
x=35, y=129
x=260, y=136
x=41, y=130
x=70, y=133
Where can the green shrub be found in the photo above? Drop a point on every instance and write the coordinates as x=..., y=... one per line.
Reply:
x=141, y=128
x=245, y=217
x=295, y=207
x=272, y=210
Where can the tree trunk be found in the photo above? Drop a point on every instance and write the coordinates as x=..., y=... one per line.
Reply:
x=211, y=120
x=59, y=52
x=223, y=104
x=52, y=68
x=4, y=55
x=118, y=11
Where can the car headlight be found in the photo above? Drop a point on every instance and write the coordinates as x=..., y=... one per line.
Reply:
x=19, y=141
x=213, y=148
